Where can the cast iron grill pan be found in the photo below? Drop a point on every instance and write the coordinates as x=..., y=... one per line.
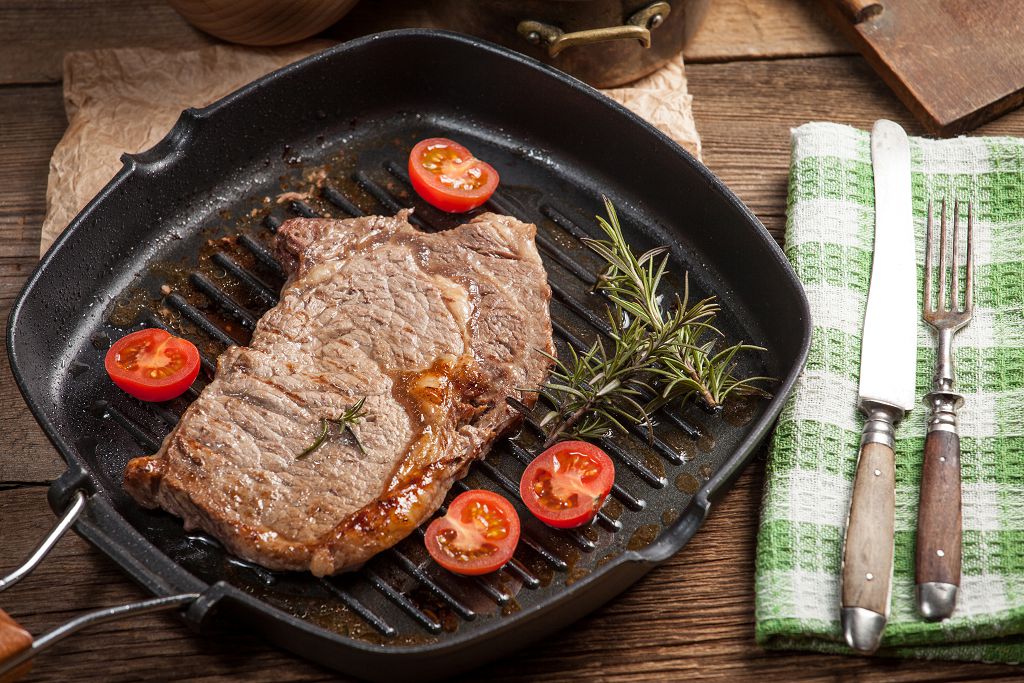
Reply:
x=180, y=239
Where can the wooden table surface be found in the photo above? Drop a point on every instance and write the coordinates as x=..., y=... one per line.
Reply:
x=756, y=69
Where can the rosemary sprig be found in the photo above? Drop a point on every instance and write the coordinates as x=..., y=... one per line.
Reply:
x=700, y=371
x=595, y=389
x=351, y=416
x=659, y=354
x=318, y=442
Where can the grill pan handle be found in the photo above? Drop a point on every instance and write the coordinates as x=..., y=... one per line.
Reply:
x=59, y=529
x=18, y=647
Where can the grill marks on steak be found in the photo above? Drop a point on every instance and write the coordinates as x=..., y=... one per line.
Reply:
x=435, y=330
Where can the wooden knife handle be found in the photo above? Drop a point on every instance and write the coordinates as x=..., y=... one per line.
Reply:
x=13, y=641
x=939, y=520
x=868, y=551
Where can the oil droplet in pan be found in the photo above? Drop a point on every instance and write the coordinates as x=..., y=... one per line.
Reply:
x=706, y=442
x=687, y=483
x=643, y=537
x=705, y=439
x=510, y=607
x=686, y=451
x=739, y=410
x=612, y=508
x=655, y=465
x=575, y=574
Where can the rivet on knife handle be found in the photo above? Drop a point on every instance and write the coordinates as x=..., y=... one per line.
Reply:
x=868, y=550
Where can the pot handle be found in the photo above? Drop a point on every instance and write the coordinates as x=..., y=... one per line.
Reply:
x=637, y=27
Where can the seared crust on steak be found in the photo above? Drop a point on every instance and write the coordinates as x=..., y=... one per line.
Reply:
x=435, y=330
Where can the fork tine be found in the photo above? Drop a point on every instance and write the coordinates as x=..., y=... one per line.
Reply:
x=954, y=294
x=969, y=293
x=942, y=259
x=927, y=296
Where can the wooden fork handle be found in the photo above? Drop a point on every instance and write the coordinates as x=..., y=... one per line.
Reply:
x=937, y=573
x=14, y=640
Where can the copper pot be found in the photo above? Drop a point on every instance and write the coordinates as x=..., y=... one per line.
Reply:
x=603, y=42
x=262, y=22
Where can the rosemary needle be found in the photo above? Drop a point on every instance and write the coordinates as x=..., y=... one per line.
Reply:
x=318, y=442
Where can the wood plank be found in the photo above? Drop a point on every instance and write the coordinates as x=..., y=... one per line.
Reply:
x=765, y=29
x=37, y=34
x=32, y=120
x=745, y=110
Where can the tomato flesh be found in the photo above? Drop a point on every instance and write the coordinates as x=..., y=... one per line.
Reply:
x=477, y=536
x=567, y=484
x=152, y=365
x=447, y=176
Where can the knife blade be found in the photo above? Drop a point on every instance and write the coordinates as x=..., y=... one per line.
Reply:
x=886, y=393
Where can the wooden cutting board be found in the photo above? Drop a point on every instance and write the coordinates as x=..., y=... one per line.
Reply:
x=955, y=63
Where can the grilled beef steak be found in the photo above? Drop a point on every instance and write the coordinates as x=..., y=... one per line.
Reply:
x=435, y=330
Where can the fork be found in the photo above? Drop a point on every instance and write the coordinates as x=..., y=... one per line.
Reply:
x=938, y=558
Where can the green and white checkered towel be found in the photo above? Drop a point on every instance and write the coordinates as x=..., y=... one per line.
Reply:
x=829, y=236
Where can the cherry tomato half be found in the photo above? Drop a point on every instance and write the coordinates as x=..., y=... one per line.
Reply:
x=477, y=536
x=449, y=177
x=151, y=365
x=566, y=485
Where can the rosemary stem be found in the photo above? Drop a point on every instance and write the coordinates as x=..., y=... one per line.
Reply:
x=705, y=394
x=568, y=422
x=319, y=441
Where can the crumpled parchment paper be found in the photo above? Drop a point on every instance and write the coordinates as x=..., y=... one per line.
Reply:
x=125, y=100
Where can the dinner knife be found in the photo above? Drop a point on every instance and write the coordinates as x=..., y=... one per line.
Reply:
x=887, y=371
